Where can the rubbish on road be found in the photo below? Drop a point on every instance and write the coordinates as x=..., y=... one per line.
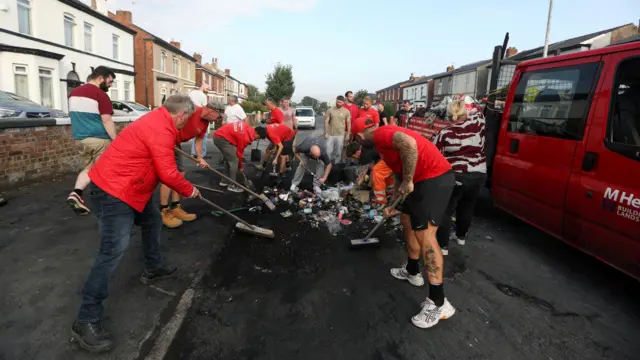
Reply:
x=372, y=214
x=307, y=210
x=346, y=222
x=366, y=207
x=286, y=214
x=368, y=240
x=377, y=218
x=241, y=224
x=255, y=208
x=284, y=197
x=333, y=224
x=362, y=196
x=331, y=194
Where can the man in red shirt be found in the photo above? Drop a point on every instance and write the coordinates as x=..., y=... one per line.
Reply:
x=281, y=136
x=426, y=179
x=232, y=139
x=276, y=114
x=123, y=181
x=369, y=112
x=173, y=215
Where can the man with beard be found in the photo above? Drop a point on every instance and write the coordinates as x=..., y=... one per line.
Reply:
x=425, y=177
x=92, y=128
x=368, y=111
x=402, y=116
x=335, y=121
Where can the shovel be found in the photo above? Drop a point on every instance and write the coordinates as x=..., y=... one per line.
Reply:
x=262, y=197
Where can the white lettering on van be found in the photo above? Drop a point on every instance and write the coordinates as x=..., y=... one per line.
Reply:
x=611, y=194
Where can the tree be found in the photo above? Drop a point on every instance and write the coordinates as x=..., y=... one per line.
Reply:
x=389, y=110
x=250, y=107
x=358, y=97
x=254, y=94
x=280, y=83
x=309, y=101
x=322, y=107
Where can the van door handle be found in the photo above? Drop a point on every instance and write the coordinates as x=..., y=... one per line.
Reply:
x=515, y=145
x=589, y=161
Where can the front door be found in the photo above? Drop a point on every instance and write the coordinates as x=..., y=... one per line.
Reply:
x=543, y=129
x=607, y=199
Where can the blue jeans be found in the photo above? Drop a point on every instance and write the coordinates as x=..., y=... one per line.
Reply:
x=204, y=147
x=115, y=220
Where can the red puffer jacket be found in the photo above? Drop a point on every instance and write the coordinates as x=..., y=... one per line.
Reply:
x=141, y=156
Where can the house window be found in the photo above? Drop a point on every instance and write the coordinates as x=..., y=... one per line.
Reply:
x=21, y=80
x=24, y=16
x=127, y=91
x=189, y=71
x=114, y=91
x=439, y=89
x=115, y=39
x=46, y=87
x=163, y=92
x=88, y=37
x=176, y=66
x=553, y=103
x=422, y=92
x=69, y=29
x=163, y=62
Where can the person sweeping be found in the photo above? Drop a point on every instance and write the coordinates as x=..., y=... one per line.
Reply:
x=173, y=215
x=281, y=137
x=123, y=181
x=232, y=139
x=426, y=180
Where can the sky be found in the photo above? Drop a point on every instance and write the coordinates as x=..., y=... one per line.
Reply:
x=335, y=46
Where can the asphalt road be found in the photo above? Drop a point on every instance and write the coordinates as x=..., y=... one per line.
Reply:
x=519, y=294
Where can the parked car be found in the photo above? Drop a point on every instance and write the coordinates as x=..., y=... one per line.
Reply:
x=306, y=117
x=15, y=106
x=128, y=108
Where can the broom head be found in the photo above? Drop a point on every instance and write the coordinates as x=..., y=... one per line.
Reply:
x=258, y=231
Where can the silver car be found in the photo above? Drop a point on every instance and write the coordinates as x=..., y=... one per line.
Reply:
x=15, y=106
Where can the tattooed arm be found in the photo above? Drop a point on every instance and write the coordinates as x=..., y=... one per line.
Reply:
x=408, y=149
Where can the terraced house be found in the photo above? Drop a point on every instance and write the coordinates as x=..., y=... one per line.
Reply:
x=162, y=68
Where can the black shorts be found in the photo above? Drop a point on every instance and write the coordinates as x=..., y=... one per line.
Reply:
x=287, y=148
x=179, y=162
x=428, y=201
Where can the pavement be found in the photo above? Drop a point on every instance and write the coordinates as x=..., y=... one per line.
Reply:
x=518, y=292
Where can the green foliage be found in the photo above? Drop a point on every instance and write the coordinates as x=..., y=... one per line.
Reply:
x=322, y=107
x=255, y=95
x=358, y=97
x=280, y=83
x=251, y=106
x=389, y=110
x=309, y=101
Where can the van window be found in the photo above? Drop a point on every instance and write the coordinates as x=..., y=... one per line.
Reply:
x=304, y=112
x=623, y=130
x=553, y=102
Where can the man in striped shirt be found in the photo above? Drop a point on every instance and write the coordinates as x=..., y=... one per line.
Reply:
x=463, y=145
x=92, y=127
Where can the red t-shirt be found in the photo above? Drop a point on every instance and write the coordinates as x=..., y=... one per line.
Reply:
x=372, y=113
x=353, y=110
x=195, y=127
x=239, y=134
x=276, y=116
x=277, y=133
x=431, y=163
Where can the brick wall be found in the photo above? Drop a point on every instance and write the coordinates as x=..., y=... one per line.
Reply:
x=29, y=154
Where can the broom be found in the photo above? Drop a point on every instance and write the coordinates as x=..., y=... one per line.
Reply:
x=368, y=240
x=241, y=224
x=262, y=197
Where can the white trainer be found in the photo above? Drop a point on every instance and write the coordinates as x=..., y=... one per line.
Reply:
x=430, y=314
x=453, y=236
x=445, y=251
x=402, y=274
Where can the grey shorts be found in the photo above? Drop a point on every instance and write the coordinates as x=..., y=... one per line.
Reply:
x=179, y=162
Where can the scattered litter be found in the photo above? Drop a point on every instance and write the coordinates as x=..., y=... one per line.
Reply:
x=378, y=218
x=284, y=197
x=332, y=194
x=362, y=196
x=286, y=214
x=307, y=210
x=488, y=237
x=346, y=222
x=255, y=208
x=261, y=269
x=372, y=214
x=366, y=207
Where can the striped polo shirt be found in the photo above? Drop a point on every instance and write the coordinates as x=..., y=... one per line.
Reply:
x=86, y=105
x=463, y=145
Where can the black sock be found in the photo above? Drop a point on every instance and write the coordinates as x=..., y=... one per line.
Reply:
x=175, y=204
x=412, y=266
x=162, y=207
x=436, y=294
x=78, y=191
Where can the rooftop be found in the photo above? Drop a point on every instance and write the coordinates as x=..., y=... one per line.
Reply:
x=79, y=5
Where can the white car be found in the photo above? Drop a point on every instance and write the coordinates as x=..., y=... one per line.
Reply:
x=306, y=117
x=128, y=108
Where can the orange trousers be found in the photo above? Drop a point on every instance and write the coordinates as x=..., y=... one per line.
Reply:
x=382, y=178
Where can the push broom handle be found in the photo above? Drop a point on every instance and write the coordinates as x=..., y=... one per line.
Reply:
x=219, y=173
x=393, y=206
x=208, y=189
x=226, y=212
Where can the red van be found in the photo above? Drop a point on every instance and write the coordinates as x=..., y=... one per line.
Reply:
x=568, y=154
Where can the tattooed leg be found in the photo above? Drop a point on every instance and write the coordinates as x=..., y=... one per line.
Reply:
x=433, y=261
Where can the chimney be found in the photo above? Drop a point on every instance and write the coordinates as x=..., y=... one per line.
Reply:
x=450, y=68
x=175, y=43
x=123, y=17
x=100, y=6
x=511, y=51
x=198, y=58
x=227, y=72
x=411, y=77
x=214, y=62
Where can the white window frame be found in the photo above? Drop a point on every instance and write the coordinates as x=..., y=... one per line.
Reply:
x=21, y=73
x=115, y=46
x=114, y=87
x=127, y=91
x=25, y=4
x=188, y=70
x=175, y=67
x=71, y=19
x=163, y=61
x=88, y=26
x=48, y=75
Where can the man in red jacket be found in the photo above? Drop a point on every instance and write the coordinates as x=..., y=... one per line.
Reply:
x=122, y=184
x=281, y=137
x=426, y=179
x=232, y=139
x=173, y=215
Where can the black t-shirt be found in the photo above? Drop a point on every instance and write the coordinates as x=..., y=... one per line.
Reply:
x=399, y=114
x=381, y=115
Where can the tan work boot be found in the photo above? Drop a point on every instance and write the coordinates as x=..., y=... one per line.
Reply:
x=169, y=220
x=179, y=213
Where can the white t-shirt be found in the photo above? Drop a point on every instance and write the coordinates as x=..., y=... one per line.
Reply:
x=234, y=113
x=198, y=97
